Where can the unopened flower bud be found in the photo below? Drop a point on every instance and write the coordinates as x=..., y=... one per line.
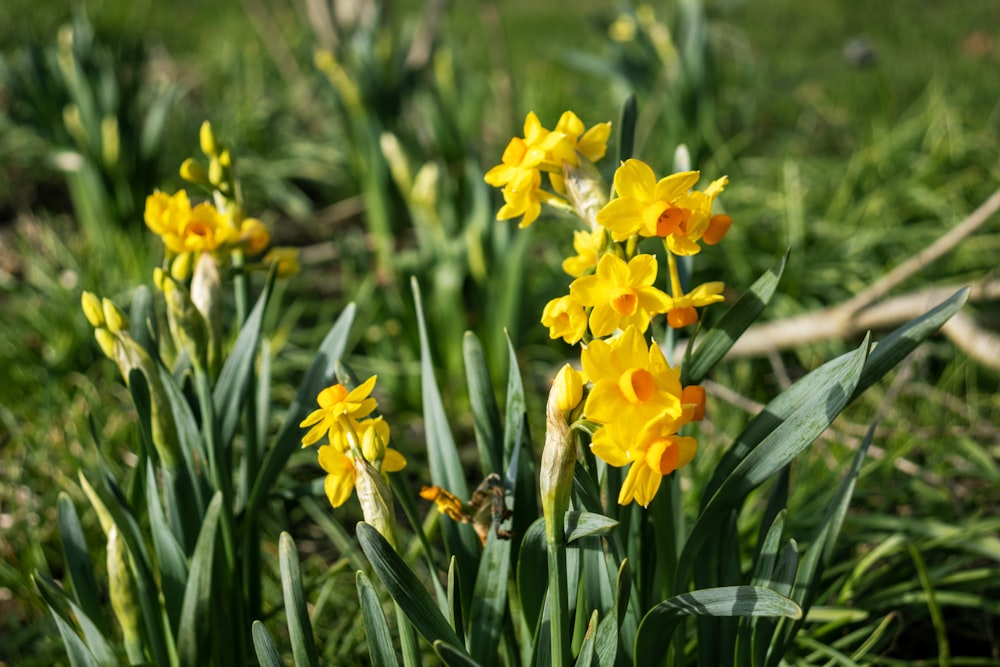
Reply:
x=555, y=476
x=207, y=139
x=193, y=172
x=376, y=499
x=254, y=235
x=106, y=340
x=585, y=189
x=122, y=591
x=567, y=388
x=114, y=319
x=287, y=259
x=215, y=170
x=92, y=310
x=180, y=267
x=374, y=439
x=206, y=295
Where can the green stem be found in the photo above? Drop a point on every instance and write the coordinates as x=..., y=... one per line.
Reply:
x=559, y=620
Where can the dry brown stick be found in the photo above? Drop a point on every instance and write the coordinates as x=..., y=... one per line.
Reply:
x=910, y=267
x=837, y=322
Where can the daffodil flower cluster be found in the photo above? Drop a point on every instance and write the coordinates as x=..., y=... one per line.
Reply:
x=635, y=402
x=216, y=227
x=356, y=439
x=525, y=158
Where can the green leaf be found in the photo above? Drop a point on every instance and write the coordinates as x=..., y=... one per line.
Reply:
x=720, y=338
x=811, y=568
x=169, y=555
x=377, y=633
x=405, y=588
x=532, y=572
x=776, y=436
x=454, y=599
x=231, y=388
x=584, y=524
x=517, y=447
x=142, y=320
x=78, y=565
x=263, y=644
x=489, y=600
x=485, y=413
x=586, y=657
x=188, y=488
x=299, y=628
x=626, y=128
x=661, y=621
x=95, y=648
x=607, y=642
x=195, y=621
x=318, y=377
x=893, y=348
x=452, y=656
x=445, y=464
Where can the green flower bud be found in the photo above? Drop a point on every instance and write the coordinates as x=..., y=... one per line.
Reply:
x=376, y=499
x=555, y=475
x=123, y=593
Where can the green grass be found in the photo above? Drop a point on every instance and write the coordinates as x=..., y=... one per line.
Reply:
x=854, y=168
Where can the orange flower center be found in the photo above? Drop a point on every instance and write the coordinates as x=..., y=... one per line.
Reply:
x=663, y=455
x=671, y=220
x=637, y=385
x=625, y=303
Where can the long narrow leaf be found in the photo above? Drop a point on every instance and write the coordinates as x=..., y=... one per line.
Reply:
x=95, y=645
x=263, y=644
x=485, y=413
x=299, y=628
x=817, y=400
x=231, y=388
x=445, y=464
x=78, y=564
x=195, y=623
x=489, y=600
x=587, y=657
x=170, y=557
x=405, y=588
x=377, y=633
x=661, y=621
x=453, y=656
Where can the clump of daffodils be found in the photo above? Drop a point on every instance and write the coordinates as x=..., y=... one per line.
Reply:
x=633, y=397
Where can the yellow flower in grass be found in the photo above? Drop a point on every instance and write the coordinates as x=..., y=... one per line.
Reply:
x=254, y=235
x=565, y=318
x=591, y=144
x=667, y=208
x=206, y=230
x=539, y=149
x=336, y=402
x=644, y=205
x=166, y=215
x=653, y=449
x=621, y=294
x=632, y=383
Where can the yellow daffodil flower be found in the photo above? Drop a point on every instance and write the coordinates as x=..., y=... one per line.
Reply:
x=254, y=236
x=336, y=402
x=621, y=294
x=565, y=318
x=632, y=383
x=587, y=245
x=341, y=471
x=682, y=311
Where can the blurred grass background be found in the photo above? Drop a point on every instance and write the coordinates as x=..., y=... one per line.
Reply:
x=853, y=133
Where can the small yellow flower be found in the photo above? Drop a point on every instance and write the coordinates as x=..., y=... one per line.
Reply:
x=565, y=318
x=341, y=466
x=660, y=452
x=206, y=230
x=587, y=246
x=523, y=197
x=621, y=294
x=682, y=311
x=632, y=384
x=166, y=214
x=336, y=402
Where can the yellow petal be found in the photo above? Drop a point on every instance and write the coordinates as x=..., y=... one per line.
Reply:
x=393, y=461
x=636, y=179
x=673, y=186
